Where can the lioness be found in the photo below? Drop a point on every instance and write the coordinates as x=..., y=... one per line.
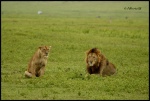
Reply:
x=98, y=64
x=36, y=66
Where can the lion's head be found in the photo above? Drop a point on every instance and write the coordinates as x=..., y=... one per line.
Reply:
x=93, y=57
x=98, y=63
x=44, y=51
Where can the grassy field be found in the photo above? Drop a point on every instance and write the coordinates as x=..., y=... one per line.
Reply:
x=72, y=28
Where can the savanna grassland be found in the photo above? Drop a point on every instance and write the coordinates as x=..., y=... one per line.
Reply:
x=119, y=29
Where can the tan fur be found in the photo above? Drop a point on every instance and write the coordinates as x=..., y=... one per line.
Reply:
x=36, y=66
x=98, y=64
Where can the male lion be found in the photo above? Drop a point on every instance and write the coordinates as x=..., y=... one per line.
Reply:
x=36, y=66
x=98, y=64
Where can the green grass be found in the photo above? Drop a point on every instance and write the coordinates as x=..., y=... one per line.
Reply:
x=72, y=28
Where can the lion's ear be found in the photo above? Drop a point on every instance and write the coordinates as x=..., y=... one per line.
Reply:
x=50, y=46
x=98, y=52
x=40, y=47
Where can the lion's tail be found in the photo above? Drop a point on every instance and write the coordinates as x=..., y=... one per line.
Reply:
x=27, y=74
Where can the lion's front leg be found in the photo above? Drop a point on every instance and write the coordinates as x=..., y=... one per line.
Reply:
x=88, y=71
x=41, y=72
x=102, y=67
x=101, y=70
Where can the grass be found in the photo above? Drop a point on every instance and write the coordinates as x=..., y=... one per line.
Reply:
x=71, y=28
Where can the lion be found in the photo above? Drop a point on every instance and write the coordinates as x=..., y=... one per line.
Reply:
x=36, y=66
x=98, y=64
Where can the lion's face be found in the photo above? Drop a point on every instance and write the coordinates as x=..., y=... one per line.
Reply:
x=92, y=59
x=45, y=51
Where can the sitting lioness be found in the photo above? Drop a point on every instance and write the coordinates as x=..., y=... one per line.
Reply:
x=98, y=64
x=36, y=66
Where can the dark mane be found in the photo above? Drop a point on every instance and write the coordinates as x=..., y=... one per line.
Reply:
x=93, y=50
